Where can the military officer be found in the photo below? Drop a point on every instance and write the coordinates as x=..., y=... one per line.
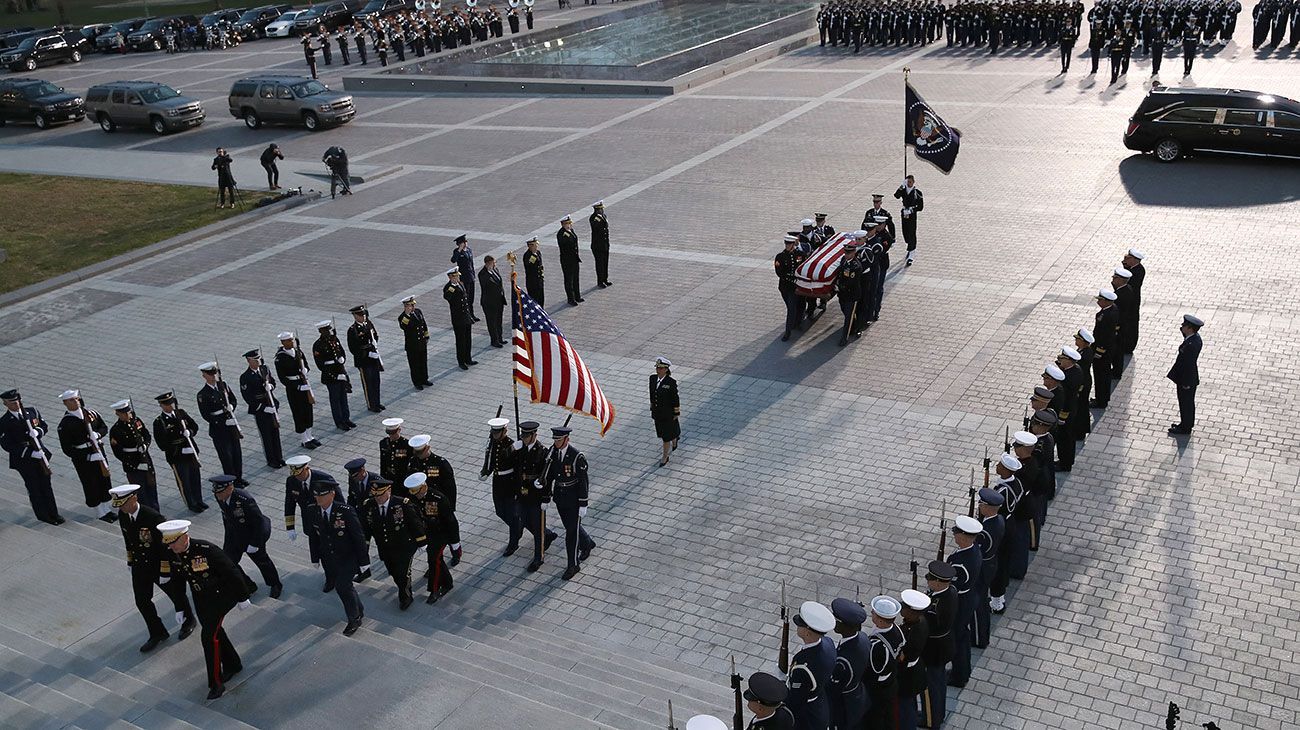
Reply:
x=567, y=239
x=298, y=495
x=939, y=649
x=848, y=284
x=257, y=387
x=881, y=679
x=458, y=301
x=81, y=431
x=1191, y=43
x=1015, y=538
x=1185, y=374
x=416, y=331
x=442, y=530
x=812, y=666
x=765, y=698
x=1106, y=331
x=823, y=230
x=566, y=479
x=530, y=461
x=846, y=692
x=434, y=467
x=217, y=587
x=535, y=272
x=129, y=440
x=600, y=243
x=247, y=532
x=967, y=561
x=911, y=665
x=913, y=203
x=463, y=257
x=989, y=544
x=174, y=431
x=363, y=343
x=499, y=464
x=291, y=367
x=1068, y=36
x=217, y=406
x=22, y=433
x=665, y=407
x=149, y=565
x=1083, y=342
x=359, y=481
x=394, y=451
x=492, y=298
x=1132, y=262
x=331, y=361
x=1126, y=303
x=342, y=543
x=1075, y=400
x=396, y=526
x=786, y=263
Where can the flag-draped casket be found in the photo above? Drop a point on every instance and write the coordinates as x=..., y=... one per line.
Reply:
x=815, y=277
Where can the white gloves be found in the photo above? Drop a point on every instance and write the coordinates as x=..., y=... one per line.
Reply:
x=180, y=618
x=269, y=409
x=582, y=512
x=342, y=376
x=364, y=568
x=244, y=604
x=96, y=457
x=184, y=450
x=251, y=549
x=304, y=387
x=293, y=535
x=375, y=355
x=231, y=422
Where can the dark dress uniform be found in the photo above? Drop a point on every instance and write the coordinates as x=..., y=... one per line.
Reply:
x=247, y=532
x=530, y=461
x=939, y=649
x=786, y=262
x=217, y=586
x=217, y=406
x=458, y=301
x=291, y=367
x=394, y=456
x=499, y=463
x=810, y=678
x=331, y=362
x=363, y=343
x=437, y=470
x=1068, y=36
x=398, y=531
x=967, y=562
x=989, y=543
x=567, y=239
x=492, y=297
x=911, y=670
x=1191, y=42
x=1096, y=42
x=343, y=551
x=1106, y=331
x=25, y=457
x=600, y=245
x=535, y=277
x=1186, y=376
x=441, y=529
x=79, y=435
x=130, y=441
x=847, y=694
x=566, y=479
x=881, y=678
x=147, y=558
x=359, y=38
x=415, y=330
x=665, y=408
x=464, y=260
x=1015, y=539
x=174, y=433
x=1082, y=421
x=257, y=387
x=913, y=203
x=1126, y=303
x=848, y=284
x=1139, y=273
x=298, y=495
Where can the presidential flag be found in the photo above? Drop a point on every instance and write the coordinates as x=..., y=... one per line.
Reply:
x=550, y=368
x=930, y=138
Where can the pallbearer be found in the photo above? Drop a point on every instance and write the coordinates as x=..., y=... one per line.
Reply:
x=81, y=431
x=566, y=478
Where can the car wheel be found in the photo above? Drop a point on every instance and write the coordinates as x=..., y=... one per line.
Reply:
x=251, y=120
x=157, y=44
x=310, y=121
x=1168, y=149
x=106, y=122
x=30, y=65
x=41, y=121
x=76, y=56
x=159, y=127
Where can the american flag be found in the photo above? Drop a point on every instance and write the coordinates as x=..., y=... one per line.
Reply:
x=550, y=368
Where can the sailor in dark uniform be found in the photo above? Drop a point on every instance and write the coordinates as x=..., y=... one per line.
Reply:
x=535, y=272
x=81, y=433
x=600, y=243
x=129, y=439
x=967, y=561
x=257, y=386
x=291, y=367
x=217, y=404
x=462, y=315
x=331, y=362
x=913, y=203
x=765, y=697
x=911, y=662
x=22, y=434
x=1185, y=374
x=149, y=565
x=416, y=332
x=463, y=257
x=1106, y=331
x=847, y=694
x=1015, y=537
x=665, y=407
x=566, y=479
x=848, y=285
x=567, y=240
x=1126, y=302
x=343, y=551
x=811, y=667
x=173, y=431
x=881, y=672
x=989, y=543
x=247, y=531
x=363, y=343
x=940, y=647
x=1133, y=263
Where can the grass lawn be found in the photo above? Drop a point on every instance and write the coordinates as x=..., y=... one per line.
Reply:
x=85, y=12
x=53, y=225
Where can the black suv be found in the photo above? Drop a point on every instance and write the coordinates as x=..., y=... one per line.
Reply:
x=40, y=50
x=252, y=24
x=331, y=15
x=39, y=102
x=1173, y=122
x=150, y=36
x=383, y=8
x=114, y=38
x=229, y=15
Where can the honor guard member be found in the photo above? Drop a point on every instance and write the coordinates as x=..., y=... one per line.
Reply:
x=567, y=239
x=1068, y=36
x=939, y=649
x=435, y=468
x=22, y=433
x=881, y=678
x=665, y=407
x=359, y=37
x=847, y=694
x=1191, y=43
x=499, y=463
x=867, y=286
x=129, y=439
x=989, y=543
x=343, y=552
x=535, y=272
x=566, y=479
x=1015, y=539
x=966, y=559
x=331, y=362
x=820, y=227
x=913, y=203
x=492, y=298
x=217, y=404
x=341, y=38
x=1106, y=331
x=359, y=480
x=786, y=263
x=174, y=431
x=291, y=366
x=463, y=257
x=530, y=462
x=600, y=243
x=397, y=528
x=394, y=451
x=766, y=697
x=441, y=529
x=416, y=332
x=149, y=565
x=848, y=284
x=81, y=431
x=1185, y=374
x=911, y=661
x=1132, y=262
x=877, y=215
x=462, y=316
x=217, y=587
x=811, y=667
x=257, y=387
x=298, y=495
x=247, y=532
x=1083, y=342
x=1076, y=406
x=363, y=343
x=1126, y=303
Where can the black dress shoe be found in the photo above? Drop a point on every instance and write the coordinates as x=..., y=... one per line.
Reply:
x=510, y=550
x=152, y=643
x=533, y=566
x=362, y=576
x=250, y=587
x=550, y=538
x=498, y=344
x=227, y=673
x=419, y=387
x=785, y=337
x=187, y=628
x=571, y=571
x=309, y=444
x=580, y=299
x=427, y=383
x=843, y=341
x=351, y=424
x=433, y=598
x=476, y=319
x=405, y=602
x=584, y=553
x=241, y=483
x=216, y=692
x=1063, y=467
x=276, y=591
x=352, y=627
x=600, y=285
x=573, y=303
x=473, y=362
x=329, y=586
x=1094, y=403
x=609, y=283
x=58, y=520
x=463, y=366
x=1179, y=431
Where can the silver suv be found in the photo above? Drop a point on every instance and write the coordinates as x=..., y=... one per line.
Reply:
x=289, y=100
x=142, y=104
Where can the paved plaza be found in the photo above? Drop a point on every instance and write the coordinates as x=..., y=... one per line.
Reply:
x=1167, y=570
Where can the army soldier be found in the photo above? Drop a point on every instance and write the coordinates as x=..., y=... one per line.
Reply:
x=217, y=587
x=1106, y=332
x=129, y=440
x=461, y=308
x=81, y=431
x=911, y=666
x=363, y=343
x=665, y=407
x=397, y=528
x=966, y=559
x=600, y=243
x=343, y=550
x=247, y=532
x=847, y=695
x=217, y=406
x=567, y=239
x=913, y=203
x=535, y=273
x=463, y=257
x=291, y=366
x=765, y=697
x=1185, y=374
x=848, y=284
x=149, y=565
x=530, y=461
x=499, y=463
x=566, y=478
x=257, y=387
x=1132, y=262
x=786, y=263
x=812, y=666
x=435, y=468
x=331, y=360
x=441, y=530
x=174, y=431
x=416, y=332
x=881, y=678
x=939, y=649
x=394, y=451
x=492, y=297
x=21, y=432
x=989, y=543
x=298, y=495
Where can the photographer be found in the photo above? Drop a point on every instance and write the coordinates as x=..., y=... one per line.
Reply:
x=336, y=159
x=225, y=179
x=269, y=156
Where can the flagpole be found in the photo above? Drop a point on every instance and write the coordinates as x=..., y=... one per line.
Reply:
x=906, y=71
x=518, y=306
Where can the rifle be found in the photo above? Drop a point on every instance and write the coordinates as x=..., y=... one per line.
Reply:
x=37, y=446
x=89, y=417
x=738, y=717
x=185, y=431
x=1025, y=421
x=914, y=565
x=304, y=368
x=225, y=404
x=339, y=353
x=671, y=725
x=266, y=388
x=943, y=531
x=136, y=425
x=987, y=463
x=783, y=659
x=972, y=492
x=1006, y=442
x=483, y=477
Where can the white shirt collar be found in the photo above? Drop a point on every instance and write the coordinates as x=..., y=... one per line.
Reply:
x=78, y=413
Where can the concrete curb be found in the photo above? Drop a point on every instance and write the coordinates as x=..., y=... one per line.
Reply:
x=130, y=257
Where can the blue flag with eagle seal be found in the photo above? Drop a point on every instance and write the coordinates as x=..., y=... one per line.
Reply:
x=930, y=138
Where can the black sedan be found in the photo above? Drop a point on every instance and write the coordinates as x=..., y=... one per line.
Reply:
x=1172, y=123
